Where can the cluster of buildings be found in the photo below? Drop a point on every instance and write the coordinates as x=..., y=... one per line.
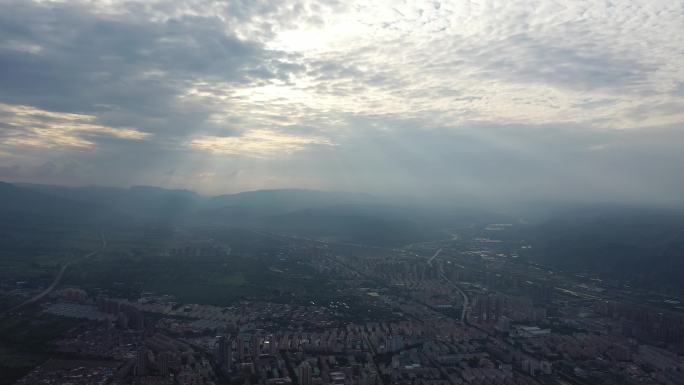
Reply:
x=73, y=372
x=462, y=316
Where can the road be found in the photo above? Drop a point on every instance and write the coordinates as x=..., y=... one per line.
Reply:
x=56, y=281
x=435, y=255
x=466, y=304
x=455, y=286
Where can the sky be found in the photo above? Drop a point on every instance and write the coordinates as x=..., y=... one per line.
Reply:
x=500, y=99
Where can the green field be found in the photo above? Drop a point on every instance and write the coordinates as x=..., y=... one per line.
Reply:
x=26, y=341
x=217, y=280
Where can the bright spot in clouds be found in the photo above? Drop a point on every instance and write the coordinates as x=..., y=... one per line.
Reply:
x=257, y=143
x=27, y=126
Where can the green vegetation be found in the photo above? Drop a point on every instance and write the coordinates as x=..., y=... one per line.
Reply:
x=26, y=341
x=233, y=280
x=218, y=280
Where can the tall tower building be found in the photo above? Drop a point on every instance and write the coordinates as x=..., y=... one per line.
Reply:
x=241, y=348
x=224, y=352
x=304, y=374
x=273, y=345
x=141, y=363
x=256, y=345
x=163, y=363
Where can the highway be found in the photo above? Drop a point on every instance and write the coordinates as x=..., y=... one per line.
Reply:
x=466, y=302
x=55, y=282
x=435, y=255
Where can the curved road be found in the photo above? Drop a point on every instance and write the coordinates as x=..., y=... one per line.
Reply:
x=55, y=282
x=465, y=296
x=450, y=282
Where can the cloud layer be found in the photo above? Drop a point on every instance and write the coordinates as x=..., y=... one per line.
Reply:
x=506, y=99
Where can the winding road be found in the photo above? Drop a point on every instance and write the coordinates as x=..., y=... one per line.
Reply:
x=464, y=312
x=56, y=281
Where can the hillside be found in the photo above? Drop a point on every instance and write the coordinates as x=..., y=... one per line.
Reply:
x=642, y=246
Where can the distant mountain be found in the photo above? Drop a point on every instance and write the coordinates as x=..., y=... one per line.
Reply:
x=290, y=199
x=642, y=245
x=340, y=216
x=91, y=194
x=144, y=202
x=350, y=225
x=157, y=203
x=26, y=205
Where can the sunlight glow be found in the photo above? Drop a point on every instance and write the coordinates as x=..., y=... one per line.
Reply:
x=32, y=127
x=257, y=143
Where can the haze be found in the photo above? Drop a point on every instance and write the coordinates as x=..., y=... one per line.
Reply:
x=507, y=100
x=465, y=192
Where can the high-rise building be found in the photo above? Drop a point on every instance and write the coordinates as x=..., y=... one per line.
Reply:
x=396, y=343
x=256, y=345
x=121, y=321
x=241, y=348
x=141, y=363
x=224, y=352
x=304, y=374
x=163, y=363
x=273, y=345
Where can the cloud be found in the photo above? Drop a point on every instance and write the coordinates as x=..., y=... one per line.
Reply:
x=127, y=63
x=25, y=126
x=257, y=143
x=488, y=97
x=140, y=63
